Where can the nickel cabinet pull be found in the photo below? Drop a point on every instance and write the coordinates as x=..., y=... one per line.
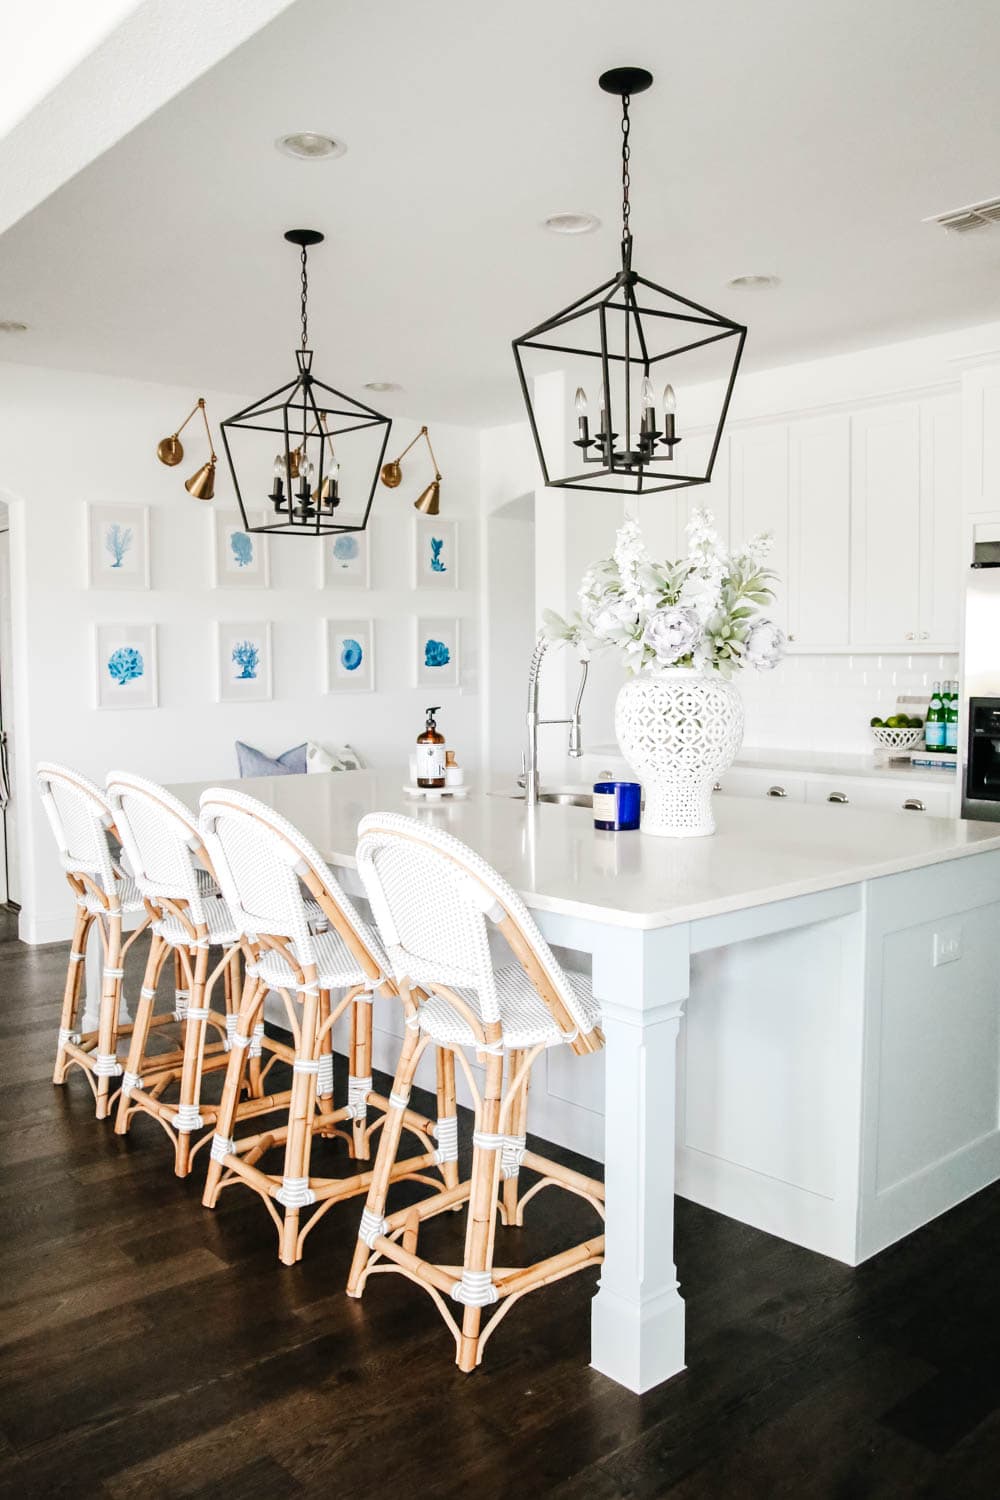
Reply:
x=838, y=797
x=914, y=804
x=776, y=791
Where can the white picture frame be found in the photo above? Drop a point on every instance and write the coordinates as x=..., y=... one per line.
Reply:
x=349, y=656
x=435, y=553
x=243, y=678
x=117, y=546
x=345, y=560
x=240, y=558
x=125, y=666
x=440, y=639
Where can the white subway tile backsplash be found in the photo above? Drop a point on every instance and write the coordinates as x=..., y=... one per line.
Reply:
x=825, y=702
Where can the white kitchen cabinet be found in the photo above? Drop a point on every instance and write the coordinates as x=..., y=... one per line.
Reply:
x=894, y=796
x=819, y=532
x=885, y=515
x=758, y=480
x=941, y=562
x=743, y=781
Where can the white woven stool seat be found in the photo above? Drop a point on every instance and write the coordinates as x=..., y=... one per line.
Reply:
x=525, y=1018
x=221, y=926
x=337, y=968
x=128, y=893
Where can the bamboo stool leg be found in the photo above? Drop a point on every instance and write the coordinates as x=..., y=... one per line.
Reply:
x=188, y=1118
x=447, y=1116
x=140, y=1032
x=516, y=1127
x=324, y=1079
x=359, y=1081
x=106, y=1064
x=253, y=999
x=294, y=1193
x=477, y=1271
x=71, y=993
x=181, y=992
x=254, y=1087
x=392, y=1130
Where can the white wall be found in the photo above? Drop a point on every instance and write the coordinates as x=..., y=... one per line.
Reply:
x=66, y=439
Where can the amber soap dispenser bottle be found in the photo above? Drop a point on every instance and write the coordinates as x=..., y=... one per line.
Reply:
x=430, y=754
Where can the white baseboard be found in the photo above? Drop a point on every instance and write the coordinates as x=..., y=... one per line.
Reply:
x=44, y=929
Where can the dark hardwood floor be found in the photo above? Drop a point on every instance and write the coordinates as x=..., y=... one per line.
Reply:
x=151, y=1348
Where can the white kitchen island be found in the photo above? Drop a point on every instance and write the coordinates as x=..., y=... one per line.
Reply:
x=832, y=977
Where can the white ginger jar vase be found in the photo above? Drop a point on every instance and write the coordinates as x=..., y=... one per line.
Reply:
x=679, y=729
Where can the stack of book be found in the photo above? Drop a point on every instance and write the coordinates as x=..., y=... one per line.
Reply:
x=938, y=760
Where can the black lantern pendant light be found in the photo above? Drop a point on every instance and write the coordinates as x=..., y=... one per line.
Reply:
x=638, y=341
x=330, y=446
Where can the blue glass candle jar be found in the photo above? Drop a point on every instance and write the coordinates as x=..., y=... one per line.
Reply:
x=617, y=805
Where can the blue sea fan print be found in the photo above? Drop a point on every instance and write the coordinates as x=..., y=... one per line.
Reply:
x=436, y=654
x=437, y=544
x=345, y=548
x=351, y=654
x=117, y=541
x=125, y=664
x=246, y=655
x=241, y=547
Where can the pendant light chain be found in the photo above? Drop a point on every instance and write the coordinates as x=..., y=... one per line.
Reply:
x=305, y=298
x=626, y=178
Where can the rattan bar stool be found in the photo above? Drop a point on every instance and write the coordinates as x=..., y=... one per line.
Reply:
x=265, y=867
x=431, y=897
x=81, y=821
x=164, y=848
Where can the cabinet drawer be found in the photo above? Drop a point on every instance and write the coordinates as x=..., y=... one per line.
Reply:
x=739, y=781
x=851, y=791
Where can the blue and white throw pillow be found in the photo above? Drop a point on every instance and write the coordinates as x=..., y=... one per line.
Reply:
x=254, y=762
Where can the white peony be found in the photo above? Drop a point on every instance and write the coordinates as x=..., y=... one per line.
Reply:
x=702, y=595
x=765, y=645
x=672, y=633
x=614, y=618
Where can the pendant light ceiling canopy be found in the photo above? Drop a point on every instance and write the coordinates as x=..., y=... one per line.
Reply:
x=629, y=346
x=330, y=447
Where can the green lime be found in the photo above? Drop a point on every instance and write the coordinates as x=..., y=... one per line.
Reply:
x=877, y=724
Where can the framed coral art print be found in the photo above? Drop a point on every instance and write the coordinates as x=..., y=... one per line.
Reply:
x=435, y=553
x=437, y=655
x=243, y=661
x=125, y=666
x=350, y=656
x=118, y=546
x=345, y=560
x=240, y=558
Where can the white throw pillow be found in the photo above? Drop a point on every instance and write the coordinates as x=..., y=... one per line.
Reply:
x=343, y=758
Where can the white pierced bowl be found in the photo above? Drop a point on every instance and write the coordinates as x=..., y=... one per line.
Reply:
x=897, y=739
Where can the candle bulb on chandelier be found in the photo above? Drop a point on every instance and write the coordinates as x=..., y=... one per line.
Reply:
x=648, y=401
x=669, y=426
x=581, y=414
x=277, y=495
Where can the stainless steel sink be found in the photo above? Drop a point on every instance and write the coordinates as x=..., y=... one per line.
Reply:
x=568, y=799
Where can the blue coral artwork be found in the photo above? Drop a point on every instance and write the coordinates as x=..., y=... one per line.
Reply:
x=349, y=656
x=344, y=561
x=117, y=542
x=246, y=655
x=437, y=653
x=437, y=564
x=244, y=661
x=117, y=546
x=241, y=559
x=241, y=546
x=435, y=554
x=126, y=666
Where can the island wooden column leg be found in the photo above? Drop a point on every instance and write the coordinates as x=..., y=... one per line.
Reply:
x=637, y=1322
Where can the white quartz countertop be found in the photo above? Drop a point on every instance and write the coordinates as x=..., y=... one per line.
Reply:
x=554, y=857
x=826, y=763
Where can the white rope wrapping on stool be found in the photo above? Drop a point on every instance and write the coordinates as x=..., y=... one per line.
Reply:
x=306, y=1065
x=325, y=1085
x=446, y=1131
x=187, y=1118
x=358, y=1090
x=399, y=1101
x=475, y=1289
x=295, y=1192
x=239, y=1040
x=230, y=1031
x=114, y=973
x=370, y=1227
x=130, y=1081
x=146, y=993
x=181, y=998
x=512, y=1155
x=76, y=958
x=488, y=1142
x=106, y=1065
x=222, y=1146
x=257, y=1040
x=367, y=997
x=66, y=1035
x=197, y=1013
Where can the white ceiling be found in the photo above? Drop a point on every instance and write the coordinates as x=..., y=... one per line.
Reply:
x=808, y=140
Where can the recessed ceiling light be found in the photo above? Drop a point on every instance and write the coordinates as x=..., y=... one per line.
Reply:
x=754, y=283
x=309, y=145
x=382, y=385
x=572, y=223
x=11, y=325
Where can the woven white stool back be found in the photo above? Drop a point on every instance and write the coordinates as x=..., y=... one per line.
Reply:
x=160, y=837
x=431, y=895
x=259, y=858
x=80, y=817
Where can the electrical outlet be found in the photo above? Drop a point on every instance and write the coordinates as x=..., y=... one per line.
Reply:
x=947, y=946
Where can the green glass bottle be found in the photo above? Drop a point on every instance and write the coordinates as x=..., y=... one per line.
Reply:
x=934, y=722
x=951, y=719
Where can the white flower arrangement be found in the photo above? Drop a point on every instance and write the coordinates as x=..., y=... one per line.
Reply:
x=700, y=612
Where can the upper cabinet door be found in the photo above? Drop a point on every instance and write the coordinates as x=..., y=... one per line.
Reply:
x=885, y=526
x=941, y=562
x=759, y=500
x=819, y=531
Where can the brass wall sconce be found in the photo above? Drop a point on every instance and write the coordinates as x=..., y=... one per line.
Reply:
x=427, y=502
x=170, y=451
